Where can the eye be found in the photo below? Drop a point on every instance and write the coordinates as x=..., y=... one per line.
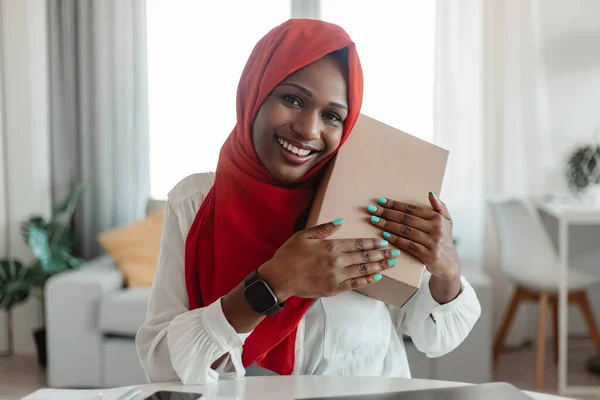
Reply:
x=293, y=100
x=332, y=116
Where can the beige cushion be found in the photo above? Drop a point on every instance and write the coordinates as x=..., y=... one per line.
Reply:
x=135, y=248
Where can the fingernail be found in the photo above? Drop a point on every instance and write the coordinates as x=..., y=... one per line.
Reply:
x=386, y=235
x=372, y=208
x=377, y=277
x=375, y=219
x=392, y=262
x=384, y=243
x=434, y=195
x=382, y=200
x=395, y=253
x=339, y=221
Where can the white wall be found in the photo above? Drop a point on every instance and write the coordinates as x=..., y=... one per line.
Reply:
x=571, y=32
x=569, y=36
x=25, y=152
x=570, y=39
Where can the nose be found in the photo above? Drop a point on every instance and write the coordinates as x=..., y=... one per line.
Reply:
x=308, y=125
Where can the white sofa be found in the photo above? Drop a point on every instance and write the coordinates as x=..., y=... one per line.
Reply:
x=92, y=321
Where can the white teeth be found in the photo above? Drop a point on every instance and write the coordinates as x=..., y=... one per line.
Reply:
x=293, y=149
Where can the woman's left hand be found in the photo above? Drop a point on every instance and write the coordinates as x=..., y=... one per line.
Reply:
x=426, y=233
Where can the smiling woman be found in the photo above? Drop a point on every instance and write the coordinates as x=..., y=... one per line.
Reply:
x=240, y=279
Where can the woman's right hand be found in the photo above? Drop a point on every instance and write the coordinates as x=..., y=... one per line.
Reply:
x=310, y=265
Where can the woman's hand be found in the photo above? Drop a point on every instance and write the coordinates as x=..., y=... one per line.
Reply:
x=310, y=265
x=426, y=233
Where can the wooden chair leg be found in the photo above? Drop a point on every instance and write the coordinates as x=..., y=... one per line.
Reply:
x=507, y=321
x=541, y=343
x=554, y=306
x=588, y=315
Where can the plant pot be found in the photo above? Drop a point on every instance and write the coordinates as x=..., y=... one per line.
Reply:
x=39, y=336
x=593, y=192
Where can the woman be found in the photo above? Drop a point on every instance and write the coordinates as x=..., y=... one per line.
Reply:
x=240, y=281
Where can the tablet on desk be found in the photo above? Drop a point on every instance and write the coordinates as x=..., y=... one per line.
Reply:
x=485, y=391
x=168, y=395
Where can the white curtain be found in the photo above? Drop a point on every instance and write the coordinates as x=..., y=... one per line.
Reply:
x=490, y=112
x=396, y=49
x=99, y=132
x=458, y=116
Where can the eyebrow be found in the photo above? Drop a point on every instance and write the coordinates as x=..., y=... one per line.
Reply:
x=310, y=94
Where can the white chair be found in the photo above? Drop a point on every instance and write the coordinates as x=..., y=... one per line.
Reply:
x=530, y=261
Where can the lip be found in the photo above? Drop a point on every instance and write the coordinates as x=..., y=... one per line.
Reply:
x=297, y=144
x=293, y=158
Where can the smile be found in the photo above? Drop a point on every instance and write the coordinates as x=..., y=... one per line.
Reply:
x=293, y=153
x=293, y=149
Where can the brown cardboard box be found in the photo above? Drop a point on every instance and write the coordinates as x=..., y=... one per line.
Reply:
x=378, y=160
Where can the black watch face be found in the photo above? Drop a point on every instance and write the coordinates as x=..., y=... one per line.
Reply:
x=260, y=296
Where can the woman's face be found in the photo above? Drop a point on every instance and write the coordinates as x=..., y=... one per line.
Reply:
x=301, y=121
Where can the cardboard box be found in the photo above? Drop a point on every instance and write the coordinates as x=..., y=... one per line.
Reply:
x=378, y=160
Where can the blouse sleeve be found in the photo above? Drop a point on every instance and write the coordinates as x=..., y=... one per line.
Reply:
x=175, y=343
x=437, y=329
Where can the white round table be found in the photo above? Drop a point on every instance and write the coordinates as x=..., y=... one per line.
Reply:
x=298, y=387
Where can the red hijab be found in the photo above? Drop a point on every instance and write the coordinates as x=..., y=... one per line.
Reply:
x=247, y=216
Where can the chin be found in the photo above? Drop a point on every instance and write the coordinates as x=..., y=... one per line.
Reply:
x=287, y=175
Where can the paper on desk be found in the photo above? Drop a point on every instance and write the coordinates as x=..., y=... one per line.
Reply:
x=107, y=394
x=86, y=394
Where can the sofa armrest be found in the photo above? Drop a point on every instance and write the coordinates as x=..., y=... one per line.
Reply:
x=74, y=340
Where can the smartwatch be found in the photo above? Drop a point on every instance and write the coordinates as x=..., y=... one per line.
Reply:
x=260, y=296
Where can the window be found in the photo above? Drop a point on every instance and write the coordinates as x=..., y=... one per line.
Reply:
x=395, y=40
x=197, y=50
x=196, y=53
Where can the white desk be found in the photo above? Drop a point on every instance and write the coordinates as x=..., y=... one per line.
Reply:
x=278, y=388
x=568, y=215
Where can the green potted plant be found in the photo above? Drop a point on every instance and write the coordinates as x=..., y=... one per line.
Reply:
x=583, y=168
x=51, y=242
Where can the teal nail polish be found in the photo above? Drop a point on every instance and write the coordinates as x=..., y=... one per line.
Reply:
x=372, y=208
x=392, y=262
x=386, y=235
x=384, y=243
x=434, y=195
x=377, y=277
x=382, y=200
x=375, y=219
x=339, y=221
x=395, y=253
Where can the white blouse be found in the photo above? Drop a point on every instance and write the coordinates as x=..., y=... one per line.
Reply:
x=348, y=334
